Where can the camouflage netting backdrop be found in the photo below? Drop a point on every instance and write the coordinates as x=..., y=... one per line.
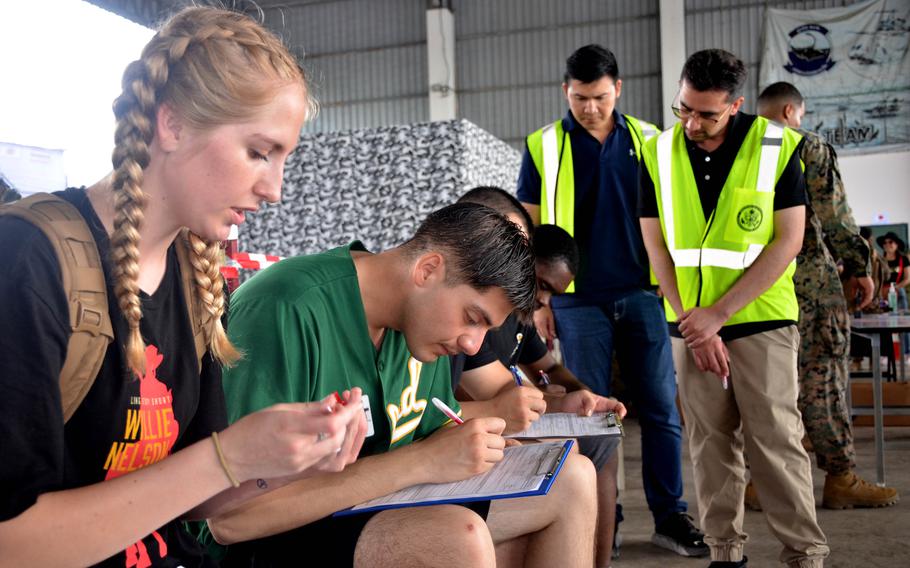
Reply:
x=375, y=185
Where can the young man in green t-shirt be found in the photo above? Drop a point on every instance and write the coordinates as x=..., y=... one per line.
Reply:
x=314, y=325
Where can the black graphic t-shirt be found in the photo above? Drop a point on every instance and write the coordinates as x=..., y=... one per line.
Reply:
x=126, y=422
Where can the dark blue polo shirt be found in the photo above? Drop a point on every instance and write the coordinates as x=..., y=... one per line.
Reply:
x=613, y=257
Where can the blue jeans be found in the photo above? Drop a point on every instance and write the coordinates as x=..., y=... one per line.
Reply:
x=635, y=328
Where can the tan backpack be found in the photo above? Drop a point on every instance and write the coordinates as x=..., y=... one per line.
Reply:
x=86, y=292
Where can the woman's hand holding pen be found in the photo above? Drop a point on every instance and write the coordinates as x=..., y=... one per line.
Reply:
x=288, y=439
x=462, y=451
x=519, y=406
x=355, y=434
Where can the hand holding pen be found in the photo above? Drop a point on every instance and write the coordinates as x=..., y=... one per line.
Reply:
x=453, y=454
x=712, y=357
x=519, y=406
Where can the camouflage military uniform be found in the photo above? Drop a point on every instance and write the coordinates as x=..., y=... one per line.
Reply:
x=824, y=323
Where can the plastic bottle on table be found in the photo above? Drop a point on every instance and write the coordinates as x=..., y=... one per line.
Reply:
x=892, y=299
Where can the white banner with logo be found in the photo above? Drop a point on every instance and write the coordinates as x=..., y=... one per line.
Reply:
x=852, y=66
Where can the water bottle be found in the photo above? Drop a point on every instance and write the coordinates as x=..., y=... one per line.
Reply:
x=892, y=299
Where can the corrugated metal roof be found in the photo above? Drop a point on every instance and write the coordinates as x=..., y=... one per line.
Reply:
x=368, y=60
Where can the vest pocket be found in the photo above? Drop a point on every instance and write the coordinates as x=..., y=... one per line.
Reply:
x=750, y=220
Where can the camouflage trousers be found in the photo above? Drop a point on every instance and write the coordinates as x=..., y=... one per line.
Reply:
x=823, y=380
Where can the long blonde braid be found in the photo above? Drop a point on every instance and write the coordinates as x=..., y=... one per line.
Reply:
x=212, y=67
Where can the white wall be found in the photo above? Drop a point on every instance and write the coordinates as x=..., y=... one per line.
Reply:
x=878, y=184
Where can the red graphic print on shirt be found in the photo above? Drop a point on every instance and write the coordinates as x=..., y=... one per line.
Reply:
x=150, y=433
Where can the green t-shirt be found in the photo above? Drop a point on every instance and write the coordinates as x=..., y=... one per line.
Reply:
x=303, y=332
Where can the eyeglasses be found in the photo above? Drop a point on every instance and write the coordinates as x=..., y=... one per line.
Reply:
x=686, y=114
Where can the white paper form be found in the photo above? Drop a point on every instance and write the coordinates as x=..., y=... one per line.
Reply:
x=569, y=425
x=523, y=470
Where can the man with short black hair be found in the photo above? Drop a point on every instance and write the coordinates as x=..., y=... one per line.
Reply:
x=581, y=173
x=824, y=323
x=722, y=212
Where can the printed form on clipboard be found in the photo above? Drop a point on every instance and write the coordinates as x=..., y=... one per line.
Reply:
x=524, y=471
x=568, y=425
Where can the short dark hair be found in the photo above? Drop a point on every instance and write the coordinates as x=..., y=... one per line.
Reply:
x=778, y=94
x=483, y=249
x=589, y=63
x=865, y=232
x=500, y=200
x=715, y=70
x=554, y=244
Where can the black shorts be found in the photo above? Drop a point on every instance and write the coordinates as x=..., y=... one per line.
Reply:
x=336, y=535
x=599, y=449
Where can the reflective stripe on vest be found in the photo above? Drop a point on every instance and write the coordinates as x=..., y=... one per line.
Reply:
x=550, y=170
x=767, y=168
x=641, y=132
x=716, y=257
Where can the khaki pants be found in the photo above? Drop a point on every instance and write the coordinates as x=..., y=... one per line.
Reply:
x=757, y=412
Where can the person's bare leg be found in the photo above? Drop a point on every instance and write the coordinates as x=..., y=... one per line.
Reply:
x=424, y=537
x=606, y=512
x=559, y=525
x=511, y=553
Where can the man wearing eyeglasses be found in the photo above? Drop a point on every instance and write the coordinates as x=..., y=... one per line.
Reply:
x=581, y=173
x=722, y=209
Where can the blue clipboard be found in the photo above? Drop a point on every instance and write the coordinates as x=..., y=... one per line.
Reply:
x=549, y=477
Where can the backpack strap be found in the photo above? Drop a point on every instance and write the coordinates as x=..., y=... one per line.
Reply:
x=203, y=323
x=84, y=286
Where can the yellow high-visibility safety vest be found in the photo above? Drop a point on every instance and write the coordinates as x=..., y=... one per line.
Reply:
x=551, y=149
x=710, y=256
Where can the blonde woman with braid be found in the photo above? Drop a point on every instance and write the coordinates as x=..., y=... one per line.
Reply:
x=207, y=117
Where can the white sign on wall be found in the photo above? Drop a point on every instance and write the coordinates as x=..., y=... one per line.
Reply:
x=30, y=169
x=852, y=66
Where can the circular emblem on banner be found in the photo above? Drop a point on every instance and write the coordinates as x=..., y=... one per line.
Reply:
x=749, y=218
x=809, y=50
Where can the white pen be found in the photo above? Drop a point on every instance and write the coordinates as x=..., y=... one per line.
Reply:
x=725, y=382
x=444, y=408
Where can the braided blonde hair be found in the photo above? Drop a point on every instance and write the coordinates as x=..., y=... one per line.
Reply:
x=212, y=67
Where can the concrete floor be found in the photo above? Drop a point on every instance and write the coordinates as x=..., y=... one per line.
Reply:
x=862, y=538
